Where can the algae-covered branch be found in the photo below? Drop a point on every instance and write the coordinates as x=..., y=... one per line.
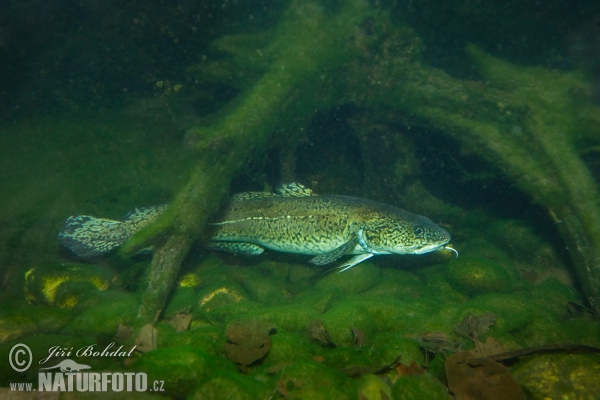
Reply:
x=523, y=120
x=306, y=50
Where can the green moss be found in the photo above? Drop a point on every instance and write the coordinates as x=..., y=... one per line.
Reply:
x=43, y=282
x=554, y=295
x=233, y=386
x=318, y=300
x=18, y=319
x=355, y=280
x=559, y=376
x=372, y=387
x=388, y=346
x=344, y=316
x=209, y=338
x=292, y=318
x=289, y=347
x=313, y=380
x=182, y=368
x=396, y=284
x=103, y=319
x=475, y=276
x=351, y=360
x=225, y=313
x=260, y=288
x=183, y=299
x=419, y=387
x=513, y=311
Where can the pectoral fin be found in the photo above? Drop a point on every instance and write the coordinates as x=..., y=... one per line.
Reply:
x=248, y=249
x=336, y=253
x=354, y=261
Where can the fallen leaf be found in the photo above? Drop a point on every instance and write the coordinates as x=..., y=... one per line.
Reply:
x=359, y=337
x=438, y=342
x=489, y=347
x=412, y=369
x=248, y=341
x=473, y=378
x=123, y=333
x=319, y=334
x=472, y=327
x=146, y=338
x=181, y=321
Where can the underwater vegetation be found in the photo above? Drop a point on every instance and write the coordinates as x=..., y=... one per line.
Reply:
x=510, y=317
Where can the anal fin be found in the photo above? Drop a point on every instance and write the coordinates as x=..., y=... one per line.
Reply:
x=248, y=249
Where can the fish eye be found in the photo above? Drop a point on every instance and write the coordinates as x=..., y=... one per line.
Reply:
x=418, y=231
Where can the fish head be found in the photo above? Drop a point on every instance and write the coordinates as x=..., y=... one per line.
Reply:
x=402, y=232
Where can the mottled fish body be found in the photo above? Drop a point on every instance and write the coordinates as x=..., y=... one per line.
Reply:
x=292, y=221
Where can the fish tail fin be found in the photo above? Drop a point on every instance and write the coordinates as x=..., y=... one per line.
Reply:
x=88, y=236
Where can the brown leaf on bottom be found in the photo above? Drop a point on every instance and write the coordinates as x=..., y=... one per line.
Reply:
x=472, y=378
x=248, y=341
x=181, y=321
x=146, y=338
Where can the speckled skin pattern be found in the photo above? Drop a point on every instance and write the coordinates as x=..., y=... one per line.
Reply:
x=318, y=224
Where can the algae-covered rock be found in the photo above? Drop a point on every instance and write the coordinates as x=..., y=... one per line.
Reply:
x=343, y=317
x=372, y=387
x=209, y=338
x=473, y=275
x=43, y=282
x=513, y=311
x=18, y=318
x=388, y=346
x=293, y=318
x=288, y=347
x=553, y=295
x=231, y=386
x=397, y=284
x=355, y=280
x=182, y=368
x=184, y=298
x=419, y=387
x=313, y=380
x=353, y=361
x=260, y=288
x=220, y=293
x=559, y=377
x=104, y=318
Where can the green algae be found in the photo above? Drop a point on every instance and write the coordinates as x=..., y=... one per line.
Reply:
x=473, y=275
x=19, y=319
x=233, y=385
x=288, y=347
x=103, y=319
x=371, y=387
x=355, y=280
x=559, y=376
x=343, y=317
x=419, y=387
x=182, y=368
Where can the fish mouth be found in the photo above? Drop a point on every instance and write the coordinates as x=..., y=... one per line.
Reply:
x=429, y=248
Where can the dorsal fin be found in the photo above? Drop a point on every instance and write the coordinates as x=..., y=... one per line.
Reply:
x=252, y=195
x=294, y=190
